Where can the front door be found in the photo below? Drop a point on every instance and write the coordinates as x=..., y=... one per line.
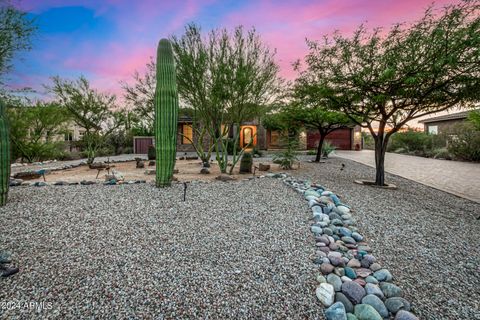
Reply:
x=247, y=136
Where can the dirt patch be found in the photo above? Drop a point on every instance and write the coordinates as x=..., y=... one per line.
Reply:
x=188, y=170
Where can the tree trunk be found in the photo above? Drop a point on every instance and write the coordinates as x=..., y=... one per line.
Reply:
x=319, y=148
x=380, y=149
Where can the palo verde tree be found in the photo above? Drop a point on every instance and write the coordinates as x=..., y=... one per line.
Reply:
x=225, y=77
x=89, y=109
x=387, y=79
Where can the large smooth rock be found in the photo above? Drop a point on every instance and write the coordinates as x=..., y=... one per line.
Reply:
x=351, y=316
x=371, y=288
x=383, y=275
x=316, y=229
x=353, y=263
x=390, y=290
x=340, y=297
x=366, y=312
x=376, y=303
x=353, y=291
x=396, y=304
x=335, y=281
x=371, y=279
x=342, y=209
x=336, y=312
x=349, y=272
x=326, y=294
x=326, y=268
x=405, y=315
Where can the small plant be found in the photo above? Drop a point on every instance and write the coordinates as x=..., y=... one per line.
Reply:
x=287, y=158
x=311, y=152
x=327, y=148
x=151, y=153
x=246, y=163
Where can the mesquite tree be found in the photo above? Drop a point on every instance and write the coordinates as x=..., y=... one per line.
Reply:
x=166, y=114
x=387, y=79
x=4, y=156
x=226, y=77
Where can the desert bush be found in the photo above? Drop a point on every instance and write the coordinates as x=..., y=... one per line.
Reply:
x=327, y=148
x=151, y=153
x=464, y=142
x=287, y=158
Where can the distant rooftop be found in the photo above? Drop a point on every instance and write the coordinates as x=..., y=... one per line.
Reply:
x=452, y=116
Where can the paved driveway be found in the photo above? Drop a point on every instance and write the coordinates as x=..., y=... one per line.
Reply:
x=459, y=178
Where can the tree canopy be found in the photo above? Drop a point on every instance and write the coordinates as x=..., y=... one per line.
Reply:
x=386, y=79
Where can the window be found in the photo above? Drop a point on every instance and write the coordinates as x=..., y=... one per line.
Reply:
x=433, y=129
x=69, y=136
x=187, y=134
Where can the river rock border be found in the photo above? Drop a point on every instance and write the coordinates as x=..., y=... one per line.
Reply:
x=352, y=284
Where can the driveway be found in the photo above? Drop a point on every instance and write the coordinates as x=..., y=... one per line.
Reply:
x=459, y=178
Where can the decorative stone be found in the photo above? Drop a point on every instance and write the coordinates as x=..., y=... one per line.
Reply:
x=349, y=240
x=336, y=312
x=340, y=297
x=316, y=229
x=376, y=303
x=390, y=290
x=363, y=272
x=383, y=275
x=328, y=231
x=344, y=232
x=353, y=263
x=337, y=222
x=205, y=171
x=321, y=279
x=375, y=267
x=326, y=268
x=371, y=288
x=358, y=237
x=336, y=261
x=335, y=281
x=263, y=167
x=342, y=209
x=349, y=272
x=396, y=304
x=366, y=312
x=360, y=282
x=345, y=279
x=353, y=291
x=405, y=315
x=351, y=317
x=371, y=279
x=325, y=294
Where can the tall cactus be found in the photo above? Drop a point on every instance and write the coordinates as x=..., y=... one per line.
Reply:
x=166, y=114
x=4, y=156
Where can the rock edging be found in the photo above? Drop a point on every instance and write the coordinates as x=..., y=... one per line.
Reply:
x=352, y=284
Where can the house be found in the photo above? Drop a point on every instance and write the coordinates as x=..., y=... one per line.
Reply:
x=263, y=139
x=441, y=124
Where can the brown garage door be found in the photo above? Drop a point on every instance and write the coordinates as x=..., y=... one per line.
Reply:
x=141, y=144
x=340, y=138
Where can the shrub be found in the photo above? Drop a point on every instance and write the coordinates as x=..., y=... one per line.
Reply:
x=230, y=143
x=327, y=148
x=246, y=163
x=287, y=158
x=151, y=154
x=311, y=152
x=464, y=142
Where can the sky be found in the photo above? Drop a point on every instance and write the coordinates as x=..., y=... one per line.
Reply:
x=107, y=40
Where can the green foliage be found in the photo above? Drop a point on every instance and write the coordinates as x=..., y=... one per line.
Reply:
x=474, y=118
x=151, y=153
x=231, y=146
x=287, y=157
x=37, y=132
x=386, y=77
x=416, y=143
x=327, y=148
x=246, y=163
x=464, y=142
x=4, y=155
x=91, y=110
x=227, y=78
x=16, y=32
x=166, y=114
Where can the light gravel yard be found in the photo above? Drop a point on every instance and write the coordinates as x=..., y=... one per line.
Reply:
x=232, y=250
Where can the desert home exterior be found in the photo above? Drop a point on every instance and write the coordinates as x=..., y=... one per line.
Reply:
x=442, y=123
x=348, y=138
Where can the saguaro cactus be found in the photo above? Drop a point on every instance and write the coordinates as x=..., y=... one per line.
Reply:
x=4, y=156
x=166, y=114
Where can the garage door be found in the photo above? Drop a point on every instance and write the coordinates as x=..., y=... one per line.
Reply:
x=340, y=138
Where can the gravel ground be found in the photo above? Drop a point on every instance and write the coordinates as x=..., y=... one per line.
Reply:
x=232, y=250
x=427, y=238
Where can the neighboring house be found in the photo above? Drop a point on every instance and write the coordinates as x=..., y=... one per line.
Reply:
x=263, y=139
x=441, y=124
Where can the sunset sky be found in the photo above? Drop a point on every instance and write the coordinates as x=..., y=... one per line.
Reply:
x=107, y=40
